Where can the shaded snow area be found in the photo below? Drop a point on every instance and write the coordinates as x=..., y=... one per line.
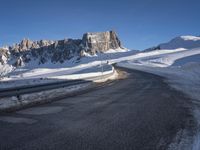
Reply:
x=182, y=71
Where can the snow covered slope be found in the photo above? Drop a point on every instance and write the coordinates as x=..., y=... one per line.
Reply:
x=187, y=42
x=168, y=59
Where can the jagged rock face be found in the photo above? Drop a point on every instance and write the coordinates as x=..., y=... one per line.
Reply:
x=44, y=50
x=100, y=42
x=27, y=44
x=65, y=50
x=4, y=55
x=60, y=50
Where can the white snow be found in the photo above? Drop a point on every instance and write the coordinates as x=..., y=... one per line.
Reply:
x=187, y=42
x=190, y=37
x=166, y=60
x=4, y=58
x=117, y=50
x=5, y=69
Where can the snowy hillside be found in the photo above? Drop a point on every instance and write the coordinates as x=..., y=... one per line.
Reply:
x=187, y=42
x=168, y=59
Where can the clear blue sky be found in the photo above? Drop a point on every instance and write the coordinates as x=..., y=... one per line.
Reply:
x=139, y=23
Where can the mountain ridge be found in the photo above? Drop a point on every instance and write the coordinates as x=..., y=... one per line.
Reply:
x=59, y=51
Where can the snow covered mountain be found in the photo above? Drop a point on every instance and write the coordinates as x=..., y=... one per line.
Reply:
x=59, y=51
x=187, y=42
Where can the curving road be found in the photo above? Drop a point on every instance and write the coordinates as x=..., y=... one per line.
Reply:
x=140, y=112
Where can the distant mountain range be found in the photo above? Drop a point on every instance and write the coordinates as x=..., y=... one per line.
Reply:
x=59, y=51
x=187, y=42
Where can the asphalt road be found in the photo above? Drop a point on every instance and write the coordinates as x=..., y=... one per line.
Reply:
x=140, y=112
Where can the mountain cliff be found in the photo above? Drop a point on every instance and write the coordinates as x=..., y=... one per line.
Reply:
x=100, y=42
x=59, y=51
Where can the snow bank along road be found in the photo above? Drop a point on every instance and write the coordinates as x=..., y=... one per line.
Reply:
x=140, y=112
x=48, y=86
x=37, y=88
x=29, y=95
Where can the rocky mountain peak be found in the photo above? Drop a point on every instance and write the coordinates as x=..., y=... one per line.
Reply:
x=60, y=50
x=100, y=41
x=25, y=44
